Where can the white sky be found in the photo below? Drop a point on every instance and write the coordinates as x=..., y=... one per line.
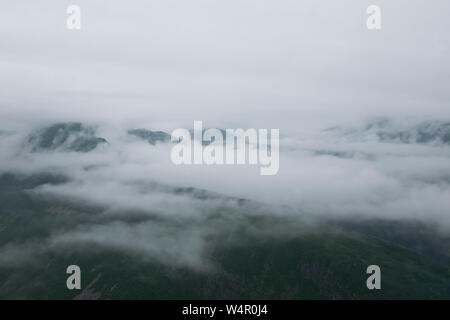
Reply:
x=250, y=63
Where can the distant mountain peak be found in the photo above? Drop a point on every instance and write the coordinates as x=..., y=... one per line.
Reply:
x=383, y=129
x=67, y=136
x=152, y=137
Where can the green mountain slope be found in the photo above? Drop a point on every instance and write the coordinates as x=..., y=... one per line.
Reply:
x=329, y=262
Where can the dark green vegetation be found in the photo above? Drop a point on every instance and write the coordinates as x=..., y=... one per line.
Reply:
x=427, y=132
x=151, y=137
x=72, y=136
x=327, y=262
x=423, y=133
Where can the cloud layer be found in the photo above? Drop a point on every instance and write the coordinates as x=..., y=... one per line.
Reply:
x=297, y=66
x=151, y=208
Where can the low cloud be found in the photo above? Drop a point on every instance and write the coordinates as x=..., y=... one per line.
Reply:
x=149, y=207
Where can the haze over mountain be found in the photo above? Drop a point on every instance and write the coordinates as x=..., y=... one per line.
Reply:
x=386, y=130
x=289, y=65
x=65, y=136
x=86, y=176
x=120, y=212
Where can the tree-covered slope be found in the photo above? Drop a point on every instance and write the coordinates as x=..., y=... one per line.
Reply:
x=327, y=262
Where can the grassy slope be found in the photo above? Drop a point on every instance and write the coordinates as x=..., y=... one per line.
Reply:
x=325, y=265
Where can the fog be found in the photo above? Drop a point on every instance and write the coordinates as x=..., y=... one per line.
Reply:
x=270, y=64
x=134, y=185
x=298, y=66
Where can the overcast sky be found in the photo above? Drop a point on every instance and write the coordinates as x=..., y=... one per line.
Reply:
x=250, y=63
